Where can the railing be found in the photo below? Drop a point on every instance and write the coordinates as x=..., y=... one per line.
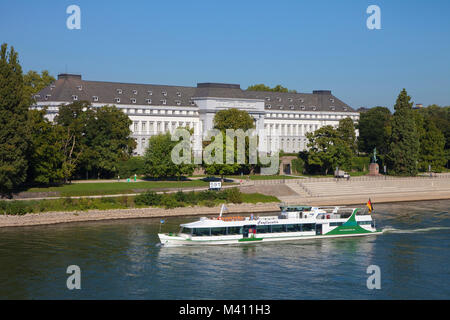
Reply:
x=361, y=178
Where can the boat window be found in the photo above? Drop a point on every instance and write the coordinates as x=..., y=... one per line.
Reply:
x=263, y=229
x=293, y=227
x=335, y=224
x=278, y=228
x=200, y=232
x=234, y=230
x=364, y=222
x=309, y=226
x=218, y=231
x=186, y=230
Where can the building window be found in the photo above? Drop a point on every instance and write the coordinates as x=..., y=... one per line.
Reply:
x=149, y=101
x=119, y=91
x=164, y=93
x=95, y=98
x=179, y=94
x=163, y=101
x=75, y=98
x=133, y=100
x=134, y=91
x=178, y=102
x=144, y=127
x=117, y=100
x=136, y=127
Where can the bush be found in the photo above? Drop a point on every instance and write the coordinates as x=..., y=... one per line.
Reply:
x=234, y=195
x=130, y=167
x=298, y=166
x=15, y=207
x=169, y=202
x=209, y=203
x=149, y=198
x=360, y=163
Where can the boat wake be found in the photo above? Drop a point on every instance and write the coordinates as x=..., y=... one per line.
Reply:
x=395, y=230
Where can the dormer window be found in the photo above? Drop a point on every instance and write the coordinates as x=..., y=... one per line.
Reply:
x=52, y=86
x=281, y=107
x=95, y=98
x=314, y=108
x=133, y=100
x=163, y=101
x=119, y=91
x=331, y=99
x=301, y=100
x=149, y=101
x=75, y=98
x=345, y=108
x=134, y=91
x=178, y=102
x=164, y=93
x=192, y=103
x=269, y=106
x=303, y=107
x=80, y=88
x=279, y=99
x=292, y=107
x=290, y=99
x=117, y=100
x=37, y=96
x=332, y=108
x=150, y=92
x=179, y=94
x=268, y=98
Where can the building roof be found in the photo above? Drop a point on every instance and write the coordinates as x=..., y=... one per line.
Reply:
x=69, y=87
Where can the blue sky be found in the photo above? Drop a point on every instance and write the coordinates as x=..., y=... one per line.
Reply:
x=302, y=45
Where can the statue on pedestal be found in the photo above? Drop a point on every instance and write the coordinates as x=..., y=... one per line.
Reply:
x=374, y=169
x=374, y=158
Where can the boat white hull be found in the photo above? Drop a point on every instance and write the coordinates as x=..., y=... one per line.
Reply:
x=175, y=241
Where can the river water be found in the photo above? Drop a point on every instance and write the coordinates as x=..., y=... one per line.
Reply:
x=122, y=260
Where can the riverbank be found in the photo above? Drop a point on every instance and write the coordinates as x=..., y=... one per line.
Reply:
x=49, y=218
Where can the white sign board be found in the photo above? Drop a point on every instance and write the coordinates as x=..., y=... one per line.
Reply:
x=215, y=185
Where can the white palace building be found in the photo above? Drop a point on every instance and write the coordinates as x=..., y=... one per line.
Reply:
x=284, y=118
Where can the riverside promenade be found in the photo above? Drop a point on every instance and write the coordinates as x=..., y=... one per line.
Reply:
x=355, y=191
x=317, y=191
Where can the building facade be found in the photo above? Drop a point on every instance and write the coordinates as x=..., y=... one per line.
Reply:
x=281, y=119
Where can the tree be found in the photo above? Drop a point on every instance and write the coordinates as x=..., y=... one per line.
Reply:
x=158, y=158
x=234, y=119
x=328, y=150
x=14, y=137
x=263, y=87
x=432, y=143
x=73, y=118
x=35, y=82
x=402, y=157
x=108, y=140
x=346, y=131
x=46, y=150
x=374, y=130
x=100, y=136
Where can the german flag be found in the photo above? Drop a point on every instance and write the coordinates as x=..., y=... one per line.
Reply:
x=369, y=205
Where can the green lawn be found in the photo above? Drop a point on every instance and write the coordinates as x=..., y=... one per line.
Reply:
x=88, y=189
x=258, y=197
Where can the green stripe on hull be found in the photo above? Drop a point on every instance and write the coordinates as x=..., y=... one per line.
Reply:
x=250, y=239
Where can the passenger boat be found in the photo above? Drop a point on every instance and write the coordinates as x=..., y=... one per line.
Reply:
x=293, y=223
